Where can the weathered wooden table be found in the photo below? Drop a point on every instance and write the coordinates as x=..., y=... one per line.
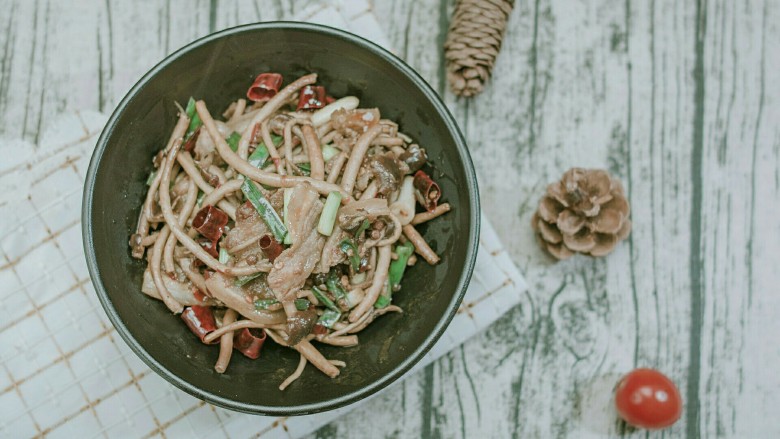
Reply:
x=679, y=99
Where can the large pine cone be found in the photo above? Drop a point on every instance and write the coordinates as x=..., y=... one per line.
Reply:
x=473, y=42
x=586, y=212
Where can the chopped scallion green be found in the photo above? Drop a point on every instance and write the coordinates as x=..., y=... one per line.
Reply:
x=363, y=227
x=395, y=273
x=264, y=208
x=195, y=121
x=190, y=110
x=302, y=304
x=287, y=195
x=333, y=281
x=324, y=300
x=233, y=140
x=398, y=266
x=305, y=168
x=382, y=302
x=150, y=179
x=328, y=215
x=329, y=318
x=259, y=156
x=350, y=249
x=224, y=256
x=329, y=151
x=243, y=280
x=265, y=303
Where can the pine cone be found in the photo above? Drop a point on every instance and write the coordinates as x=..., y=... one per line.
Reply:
x=473, y=42
x=586, y=212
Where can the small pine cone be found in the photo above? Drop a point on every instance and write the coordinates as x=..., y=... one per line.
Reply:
x=586, y=212
x=473, y=42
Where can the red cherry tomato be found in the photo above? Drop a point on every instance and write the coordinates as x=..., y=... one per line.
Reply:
x=646, y=398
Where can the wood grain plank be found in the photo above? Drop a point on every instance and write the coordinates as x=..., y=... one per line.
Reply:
x=568, y=108
x=7, y=16
x=738, y=200
x=660, y=151
x=20, y=42
x=229, y=14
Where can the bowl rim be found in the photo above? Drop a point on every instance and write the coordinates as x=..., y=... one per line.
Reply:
x=298, y=409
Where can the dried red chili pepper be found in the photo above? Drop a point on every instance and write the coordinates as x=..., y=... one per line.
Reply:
x=319, y=330
x=426, y=190
x=210, y=246
x=197, y=264
x=265, y=86
x=189, y=142
x=248, y=343
x=198, y=294
x=311, y=97
x=200, y=320
x=270, y=246
x=329, y=99
x=210, y=222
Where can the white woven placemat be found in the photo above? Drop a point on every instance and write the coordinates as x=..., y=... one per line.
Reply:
x=64, y=372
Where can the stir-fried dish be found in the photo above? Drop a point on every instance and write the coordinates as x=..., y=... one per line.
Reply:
x=292, y=219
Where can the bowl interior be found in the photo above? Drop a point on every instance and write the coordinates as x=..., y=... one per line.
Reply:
x=219, y=71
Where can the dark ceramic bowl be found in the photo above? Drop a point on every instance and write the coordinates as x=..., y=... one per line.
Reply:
x=218, y=68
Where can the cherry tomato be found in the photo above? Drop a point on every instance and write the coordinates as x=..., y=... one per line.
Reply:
x=648, y=399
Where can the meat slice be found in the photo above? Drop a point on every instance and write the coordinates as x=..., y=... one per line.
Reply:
x=296, y=263
x=301, y=215
x=331, y=253
x=222, y=287
x=243, y=239
x=353, y=214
